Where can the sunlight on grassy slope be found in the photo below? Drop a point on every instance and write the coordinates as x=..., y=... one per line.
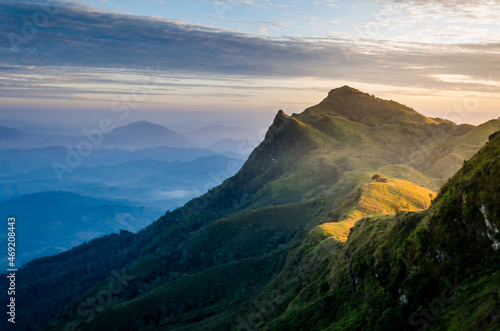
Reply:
x=380, y=198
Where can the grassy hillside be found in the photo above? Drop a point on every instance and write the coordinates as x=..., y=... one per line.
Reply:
x=436, y=269
x=407, y=173
x=184, y=300
x=248, y=234
x=383, y=196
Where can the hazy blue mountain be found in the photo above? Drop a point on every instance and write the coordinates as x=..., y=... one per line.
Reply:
x=207, y=135
x=16, y=161
x=30, y=127
x=146, y=182
x=143, y=134
x=52, y=222
x=12, y=139
x=136, y=135
x=7, y=134
x=230, y=145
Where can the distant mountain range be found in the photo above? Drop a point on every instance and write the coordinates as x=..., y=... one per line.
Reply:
x=8, y=133
x=235, y=146
x=327, y=226
x=35, y=128
x=211, y=134
x=15, y=161
x=53, y=222
x=156, y=178
x=116, y=169
x=145, y=182
x=143, y=134
x=12, y=138
x=133, y=136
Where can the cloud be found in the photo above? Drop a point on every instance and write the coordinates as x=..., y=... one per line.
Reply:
x=461, y=9
x=82, y=37
x=451, y=3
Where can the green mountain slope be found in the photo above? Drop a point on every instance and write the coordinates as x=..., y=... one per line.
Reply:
x=436, y=269
x=384, y=196
x=308, y=171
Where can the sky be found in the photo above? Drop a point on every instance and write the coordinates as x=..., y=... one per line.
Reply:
x=239, y=62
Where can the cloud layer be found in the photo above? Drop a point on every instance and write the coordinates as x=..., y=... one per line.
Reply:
x=77, y=36
x=67, y=35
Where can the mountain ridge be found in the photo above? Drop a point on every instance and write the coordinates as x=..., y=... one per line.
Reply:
x=143, y=125
x=363, y=108
x=7, y=132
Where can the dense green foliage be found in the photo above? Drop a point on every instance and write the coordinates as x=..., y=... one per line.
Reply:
x=436, y=269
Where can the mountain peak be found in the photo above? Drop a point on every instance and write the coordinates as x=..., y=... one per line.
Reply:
x=144, y=124
x=280, y=119
x=281, y=114
x=143, y=127
x=363, y=108
x=144, y=134
x=344, y=90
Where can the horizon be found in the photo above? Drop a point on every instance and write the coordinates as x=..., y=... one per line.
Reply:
x=73, y=121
